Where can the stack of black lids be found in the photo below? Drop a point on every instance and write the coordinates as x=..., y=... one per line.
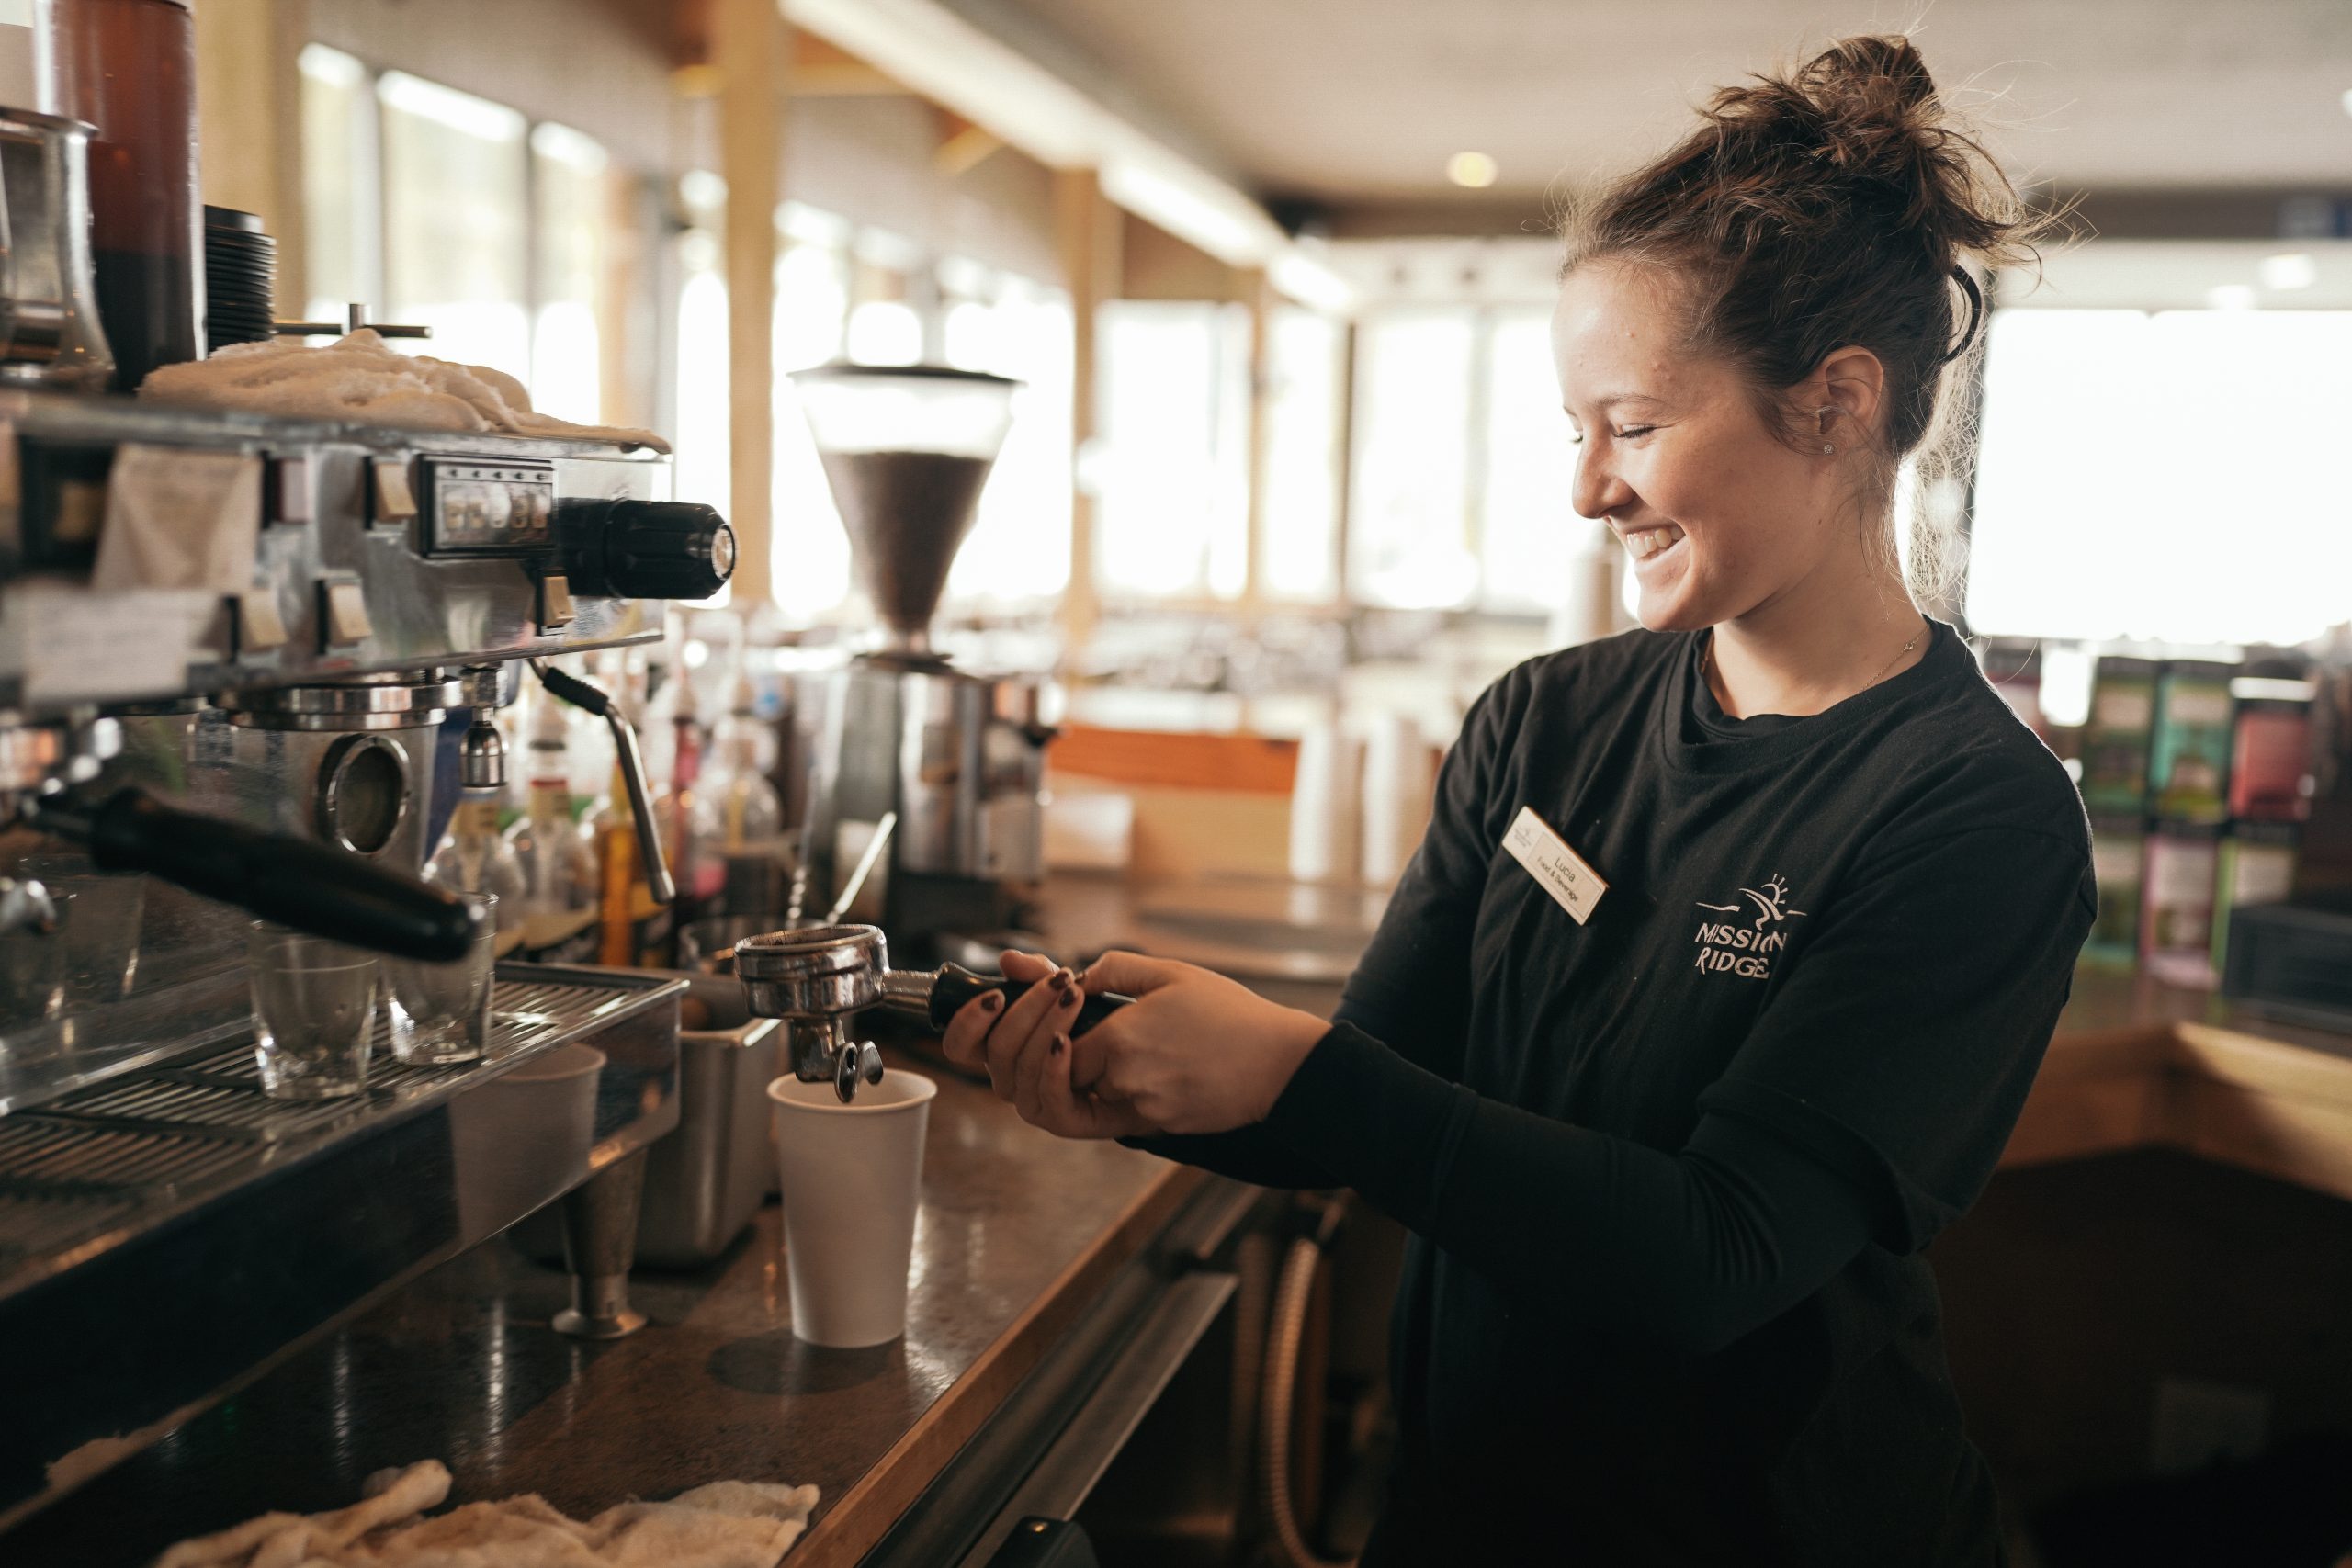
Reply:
x=240, y=279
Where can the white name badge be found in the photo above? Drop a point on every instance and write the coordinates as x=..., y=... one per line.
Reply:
x=1572, y=884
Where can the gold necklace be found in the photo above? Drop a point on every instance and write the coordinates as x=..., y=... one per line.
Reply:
x=1707, y=659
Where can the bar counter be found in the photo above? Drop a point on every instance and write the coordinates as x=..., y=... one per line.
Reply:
x=1017, y=1233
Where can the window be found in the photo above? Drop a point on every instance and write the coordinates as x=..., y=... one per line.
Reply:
x=343, y=257
x=570, y=200
x=1530, y=537
x=1409, y=532
x=1299, y=513
x=1019, y=550
x=438, y=207
x=456, y=180
x=811, y=575
x=700, y=468
x=1171, y=475
x=2128, y=460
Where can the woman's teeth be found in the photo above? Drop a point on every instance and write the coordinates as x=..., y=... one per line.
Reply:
x=1644, y=543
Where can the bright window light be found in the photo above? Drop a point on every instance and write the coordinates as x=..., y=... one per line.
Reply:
x=1299, y=515
x=456, y=188
x=1173, y=466
x=1408, y=545
x=1529, y=534
x=2182, y=476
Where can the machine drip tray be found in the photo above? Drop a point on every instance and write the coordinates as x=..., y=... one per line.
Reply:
x=165, y=1233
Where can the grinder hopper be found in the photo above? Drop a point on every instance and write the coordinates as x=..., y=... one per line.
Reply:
x=907, y=448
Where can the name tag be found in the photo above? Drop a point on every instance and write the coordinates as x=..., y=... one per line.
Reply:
x=1572, y=884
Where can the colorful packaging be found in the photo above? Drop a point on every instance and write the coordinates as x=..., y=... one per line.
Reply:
x=2115, y=741
x=2271, y=757
x=2177, y=906
x=2188, y=755
x=2257, y=866
x=2117, y=847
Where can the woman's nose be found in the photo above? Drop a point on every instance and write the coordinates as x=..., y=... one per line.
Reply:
x=1598, y=490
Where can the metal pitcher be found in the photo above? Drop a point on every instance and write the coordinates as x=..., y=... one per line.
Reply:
x=49, y=317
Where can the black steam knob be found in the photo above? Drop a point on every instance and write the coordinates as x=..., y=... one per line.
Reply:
x=644, y=549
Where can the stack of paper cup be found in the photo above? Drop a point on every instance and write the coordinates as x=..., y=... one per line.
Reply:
x=851, y=1178
x=1325, y=802
x=1399, y=779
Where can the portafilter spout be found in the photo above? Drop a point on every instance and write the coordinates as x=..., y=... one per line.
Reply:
x=815, y=980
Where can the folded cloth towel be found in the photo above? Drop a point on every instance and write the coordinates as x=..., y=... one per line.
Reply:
x=362, y=379
x=729, y=1524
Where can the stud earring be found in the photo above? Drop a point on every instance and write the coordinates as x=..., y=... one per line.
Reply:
x=1826, y=448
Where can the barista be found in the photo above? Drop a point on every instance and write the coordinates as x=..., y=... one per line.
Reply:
x=1733, y=947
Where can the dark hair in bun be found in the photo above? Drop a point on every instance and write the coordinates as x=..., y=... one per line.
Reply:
x=1836, y=206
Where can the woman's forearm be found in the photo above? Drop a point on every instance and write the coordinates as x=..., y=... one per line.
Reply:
x=1681, y=1252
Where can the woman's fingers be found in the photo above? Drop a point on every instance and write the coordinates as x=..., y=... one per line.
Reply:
x=1071, y=1114
x=965, y=1041
x=1129, y=974
x=1029, y=1022
x=966, y=1037
x=1029, y=1074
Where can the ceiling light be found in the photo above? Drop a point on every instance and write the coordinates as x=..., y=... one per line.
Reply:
x=2348, y=100
x=1474, y=169
x=2290, y=269
x=2230, y=297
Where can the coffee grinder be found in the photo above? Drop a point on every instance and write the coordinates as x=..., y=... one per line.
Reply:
x=953, y=759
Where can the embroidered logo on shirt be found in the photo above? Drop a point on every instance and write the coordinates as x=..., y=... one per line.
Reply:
x=1742, y=947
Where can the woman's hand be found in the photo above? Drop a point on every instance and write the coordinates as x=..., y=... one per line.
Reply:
x=1196, y=1052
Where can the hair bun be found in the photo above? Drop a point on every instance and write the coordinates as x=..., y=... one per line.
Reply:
x=1861, y=127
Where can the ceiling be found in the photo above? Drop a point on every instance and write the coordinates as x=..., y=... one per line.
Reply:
x=1362, y=101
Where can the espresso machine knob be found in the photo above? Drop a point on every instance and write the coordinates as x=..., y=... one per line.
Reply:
x=644, y=549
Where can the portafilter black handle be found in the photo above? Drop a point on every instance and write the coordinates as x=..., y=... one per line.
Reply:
x=310, y=887
x=953, y=986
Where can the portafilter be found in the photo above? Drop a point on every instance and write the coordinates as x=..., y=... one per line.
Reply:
x=817, y=978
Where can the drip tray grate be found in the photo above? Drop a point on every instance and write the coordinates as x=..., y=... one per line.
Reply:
x=81, y=1163
x=39, y=1155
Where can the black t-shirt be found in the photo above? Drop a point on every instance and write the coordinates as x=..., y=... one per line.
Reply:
x=1841, y=943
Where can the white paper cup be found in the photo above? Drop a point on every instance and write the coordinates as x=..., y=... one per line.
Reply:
x=852, y=1177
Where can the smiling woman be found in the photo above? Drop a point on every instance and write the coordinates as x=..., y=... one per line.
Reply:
x=1732, y=949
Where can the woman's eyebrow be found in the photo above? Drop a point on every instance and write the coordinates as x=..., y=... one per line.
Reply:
x=1617, y=400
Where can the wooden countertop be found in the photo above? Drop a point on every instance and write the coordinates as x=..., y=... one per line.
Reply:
x=2138, y=1064
x=1017, y=1233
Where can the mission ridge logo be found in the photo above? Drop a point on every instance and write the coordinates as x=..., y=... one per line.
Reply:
x=1742, y=947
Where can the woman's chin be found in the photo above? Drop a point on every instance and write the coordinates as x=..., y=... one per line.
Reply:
x=1669, y=611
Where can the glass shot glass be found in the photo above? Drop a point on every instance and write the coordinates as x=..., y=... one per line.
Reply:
x=314, y=1008
x=440, y=1012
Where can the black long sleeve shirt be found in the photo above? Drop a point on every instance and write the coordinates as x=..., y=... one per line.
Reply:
x=1669, y=1170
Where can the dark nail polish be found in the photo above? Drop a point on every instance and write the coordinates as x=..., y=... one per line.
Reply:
x=991, y=1000
x=1061, y=1043
x=1071, y=997
x=1060, y=981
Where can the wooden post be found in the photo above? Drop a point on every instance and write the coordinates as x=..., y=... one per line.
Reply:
x=249, y=121
x=1257, y=293
x=752, y=48
x=1087, y=233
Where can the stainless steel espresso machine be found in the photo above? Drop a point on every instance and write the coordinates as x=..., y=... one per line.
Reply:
x=951, y=759
x=245, y=664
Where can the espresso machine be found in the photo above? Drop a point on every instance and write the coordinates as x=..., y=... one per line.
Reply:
x=246, y=663
x=896, y=740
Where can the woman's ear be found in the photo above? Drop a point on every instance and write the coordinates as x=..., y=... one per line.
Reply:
x=1848, y=389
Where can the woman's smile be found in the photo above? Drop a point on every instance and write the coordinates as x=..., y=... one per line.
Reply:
x=1651, y=543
